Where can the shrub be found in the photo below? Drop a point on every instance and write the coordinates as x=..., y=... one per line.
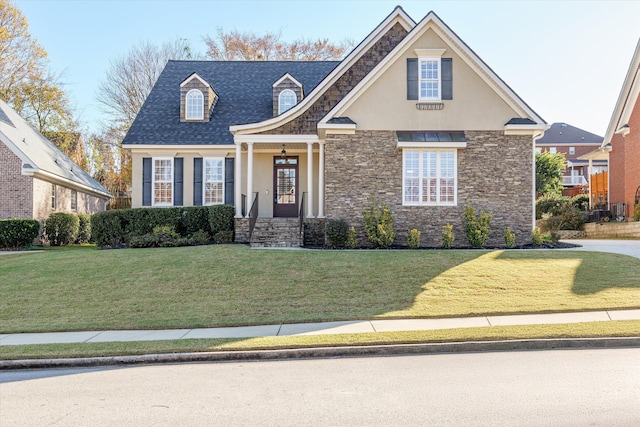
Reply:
x=336, y=233
x=84, y=228
x=550, y=204
x=477, y=229
x=200, y=237
x=18, y=233
x=222, y=237
x=536, y=237
x=221, y=218
x=352, y=240
x=378, y=225
x=194, y=219
x=163, y=236
x=636, y=212
x=447, y=236
x=61, y=228
x=413, y=239
x=107, y=229
x=581, y=201
x=568, y=217
x=509, y=238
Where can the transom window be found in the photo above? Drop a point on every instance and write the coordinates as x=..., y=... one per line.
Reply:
x=213, y=181
x=286, y=100
x=194, y=105
x=429, y=79
x=162, y=182
x=429, y=177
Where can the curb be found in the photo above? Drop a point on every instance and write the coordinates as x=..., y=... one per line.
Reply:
x=326, y=352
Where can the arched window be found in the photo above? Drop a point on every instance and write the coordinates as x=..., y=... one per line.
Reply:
x=194, y=105
x=286, y=100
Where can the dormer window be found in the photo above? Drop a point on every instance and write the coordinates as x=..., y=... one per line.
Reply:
x=286, y=100
x=195, y=105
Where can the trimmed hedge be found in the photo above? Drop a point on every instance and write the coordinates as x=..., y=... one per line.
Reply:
x=61, y=228
x=84, y=230
x=18, y=233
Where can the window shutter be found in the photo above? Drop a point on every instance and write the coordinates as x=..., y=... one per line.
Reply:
x=178, y=163
x=412, y=78
x=146, y=181
x=197, y=181
x=447, y=78
x=228, y=180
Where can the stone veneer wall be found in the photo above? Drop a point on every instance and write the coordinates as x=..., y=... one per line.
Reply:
x=285, y=84
x=495, y=173
x=306, y=123
x=16, y=190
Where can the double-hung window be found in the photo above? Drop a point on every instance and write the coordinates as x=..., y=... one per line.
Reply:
x=213, y=187
x=429, y=79
x=162, y=181
x=429, y=177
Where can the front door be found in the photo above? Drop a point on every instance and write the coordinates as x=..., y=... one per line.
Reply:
x=285, y=187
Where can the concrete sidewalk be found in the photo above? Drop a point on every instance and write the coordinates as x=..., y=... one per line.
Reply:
x=348, y=327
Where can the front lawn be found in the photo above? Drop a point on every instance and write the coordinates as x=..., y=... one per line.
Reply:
x=234, y=285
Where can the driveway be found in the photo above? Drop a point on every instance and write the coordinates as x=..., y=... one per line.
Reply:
x=624, y=247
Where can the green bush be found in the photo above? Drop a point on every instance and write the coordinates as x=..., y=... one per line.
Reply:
x=636, y=212
x=447, y=236
x=336, y=233
x=164, y=236
x=107, y=228
x=509, y=238
x=223, y=237
x=581, y=201
x=550, y=204
x=200, y=237
x=352, y=240
x=567, y=217
x=536, y=237
x=477, y=228
x=413, y=238
x=221, y=218
x=378, y=225
x=61, y=228
x=194, y=218
x=18, y=233
x=84, y=228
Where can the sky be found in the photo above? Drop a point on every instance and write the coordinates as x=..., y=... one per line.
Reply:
x=566, y=59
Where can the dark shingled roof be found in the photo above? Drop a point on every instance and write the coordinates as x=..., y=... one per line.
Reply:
x=341, y=121
x=520, y=121
x=245, y=91
x=419, y=136
x=562, y=133
x=5, y=118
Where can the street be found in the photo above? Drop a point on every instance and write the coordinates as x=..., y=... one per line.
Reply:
x=559, y=387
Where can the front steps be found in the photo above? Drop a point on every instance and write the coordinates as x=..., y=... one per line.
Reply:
x=277, y=233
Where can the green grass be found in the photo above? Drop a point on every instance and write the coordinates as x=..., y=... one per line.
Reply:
x=223, y=285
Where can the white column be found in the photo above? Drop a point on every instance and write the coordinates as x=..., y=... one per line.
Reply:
x=238, y=180
x=321, y=180
x=249, y=177
x=310, y=180
x=590, y=172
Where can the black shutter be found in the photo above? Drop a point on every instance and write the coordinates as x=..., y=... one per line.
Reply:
x=197, y=181
x=178, y=163
x=447, y=78
x=228, y=180
x=146, y=181
x=412, y=78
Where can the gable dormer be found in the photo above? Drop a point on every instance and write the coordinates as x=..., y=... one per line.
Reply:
x=287, y=92
x=197, y=99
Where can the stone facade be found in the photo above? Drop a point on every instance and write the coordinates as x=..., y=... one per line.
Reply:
x=612, y=230
x=16, y=190
x=495, y=174
x=307, y=122
x=210, y=99
x=285, y=84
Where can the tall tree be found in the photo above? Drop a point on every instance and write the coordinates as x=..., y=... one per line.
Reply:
x=549, y=168
x=247, y=46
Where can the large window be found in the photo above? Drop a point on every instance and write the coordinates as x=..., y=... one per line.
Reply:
x=195, y=105
x=162, y=182
x=429, y=177
x=213, y=181
x=429, y=78
x=286, y=100
x=54, y=201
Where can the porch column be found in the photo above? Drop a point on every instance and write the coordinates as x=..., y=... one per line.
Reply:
x=249, y=177
x=321, y=180
x=310, y=180
x=238, y=180
x=590, y=172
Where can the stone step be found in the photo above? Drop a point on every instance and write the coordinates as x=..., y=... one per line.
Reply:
x=276, y=232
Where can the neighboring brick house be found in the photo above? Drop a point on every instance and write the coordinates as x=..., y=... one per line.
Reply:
x=36, y=178
x=574, y=143
x=622, y=142
x=411, y=117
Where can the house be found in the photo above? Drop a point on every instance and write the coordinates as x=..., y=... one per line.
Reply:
x=412, y=118
x=573, y=142
x=622, y=143
x=36, y=178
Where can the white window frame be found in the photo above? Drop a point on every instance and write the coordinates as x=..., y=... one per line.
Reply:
x=194, y=109
x=54, y=196
x=426, y=80
x=205, y=181
x=438, y=177
x=74, y=200
x=282, y=105
x=553, y=150
x=154, y=181
x=572, y=150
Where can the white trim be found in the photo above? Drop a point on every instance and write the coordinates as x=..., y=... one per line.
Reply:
x=179, y=148
x=397, y=16
x=237, y=180
x=624, y=130
x=429, y=145
x=153, y=181
x=194, y=76
x=422, y=60
x=429, y=53
x=321, y=179
x=204, y=180
x=295, y=100
x=310, y=180
x=287, y=76
x=186, y=105
x=57, y=179
x=535, y=130
x=438, y=177
x=276, y=139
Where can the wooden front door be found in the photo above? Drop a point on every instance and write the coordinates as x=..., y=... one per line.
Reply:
x=285, y=187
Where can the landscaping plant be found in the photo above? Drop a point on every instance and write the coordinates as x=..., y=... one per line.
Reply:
x=352, y=240
x=447, y=236
x=509, y=238
x=61, y=228
x=477, y=228
x=336, y=233
x=18, y=233
x=84, y=228
x=536, y=237
x=378, y=225
x=413, y=238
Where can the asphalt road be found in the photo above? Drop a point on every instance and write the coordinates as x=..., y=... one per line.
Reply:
x=560, y=387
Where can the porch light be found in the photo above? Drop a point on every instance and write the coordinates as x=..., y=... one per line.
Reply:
x=283, y=153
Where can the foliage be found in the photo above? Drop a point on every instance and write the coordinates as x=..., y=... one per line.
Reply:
x=61, y=228
x=200, y=237
x=477, y=228
x=84, y=228
x=336, y=233
x=378, y=225
x=18, y=233
x=247, y=46
x=222, y=237
x=581, y=201
x=413, y=238
x=636, y=212
x=107, y=228
x=163, y=236
x=509, y=238
x=447, y=236
x=536, y=237
x=352, y=239
x=567, y=217
x=221, y=218
x=549, y=168
x=550, y=204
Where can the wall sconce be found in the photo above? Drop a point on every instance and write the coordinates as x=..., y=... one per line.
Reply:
x=283, y=153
